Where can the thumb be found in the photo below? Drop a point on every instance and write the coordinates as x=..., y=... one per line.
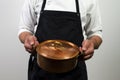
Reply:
x=84, y=45
x=32, y=41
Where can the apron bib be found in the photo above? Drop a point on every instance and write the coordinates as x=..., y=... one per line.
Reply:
x=61, y=25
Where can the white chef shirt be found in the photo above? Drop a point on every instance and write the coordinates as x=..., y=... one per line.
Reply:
x=89, y=10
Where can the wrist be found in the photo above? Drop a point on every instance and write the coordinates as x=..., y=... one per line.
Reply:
x=96, y=40
x=24, y=35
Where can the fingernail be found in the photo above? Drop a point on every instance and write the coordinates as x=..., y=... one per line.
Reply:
x=83, y=48
x=31, y=43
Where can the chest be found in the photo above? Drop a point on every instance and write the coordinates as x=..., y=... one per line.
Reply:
x=62, y=5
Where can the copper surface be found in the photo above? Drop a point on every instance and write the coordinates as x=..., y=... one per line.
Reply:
x=57, y=49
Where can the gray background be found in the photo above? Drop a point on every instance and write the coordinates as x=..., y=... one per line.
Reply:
x=13, y=59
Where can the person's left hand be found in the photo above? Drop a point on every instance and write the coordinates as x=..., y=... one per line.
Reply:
x=87, y=49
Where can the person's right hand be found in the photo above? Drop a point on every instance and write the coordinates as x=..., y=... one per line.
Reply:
x=30, y=43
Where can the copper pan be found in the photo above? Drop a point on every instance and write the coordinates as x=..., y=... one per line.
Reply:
x=57, y=56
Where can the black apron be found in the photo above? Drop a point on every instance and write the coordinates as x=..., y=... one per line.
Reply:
x=61, y=25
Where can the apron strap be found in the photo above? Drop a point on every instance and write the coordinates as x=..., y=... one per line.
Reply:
x=43, y=6
x=31, y=65
x=77, y=6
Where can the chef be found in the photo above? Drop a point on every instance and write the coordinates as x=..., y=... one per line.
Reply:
x=77, y=21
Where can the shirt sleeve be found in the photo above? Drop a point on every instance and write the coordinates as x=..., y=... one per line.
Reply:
x=94, y=25
x=27, y=18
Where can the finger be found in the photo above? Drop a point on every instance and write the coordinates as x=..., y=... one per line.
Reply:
x=27, y=45
x=29, y=42
x=89, y=51
x=88, y=57
x=81, y=51
x=28, y=50
x=85, y=45
x=35, y=42
x=32, y=40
